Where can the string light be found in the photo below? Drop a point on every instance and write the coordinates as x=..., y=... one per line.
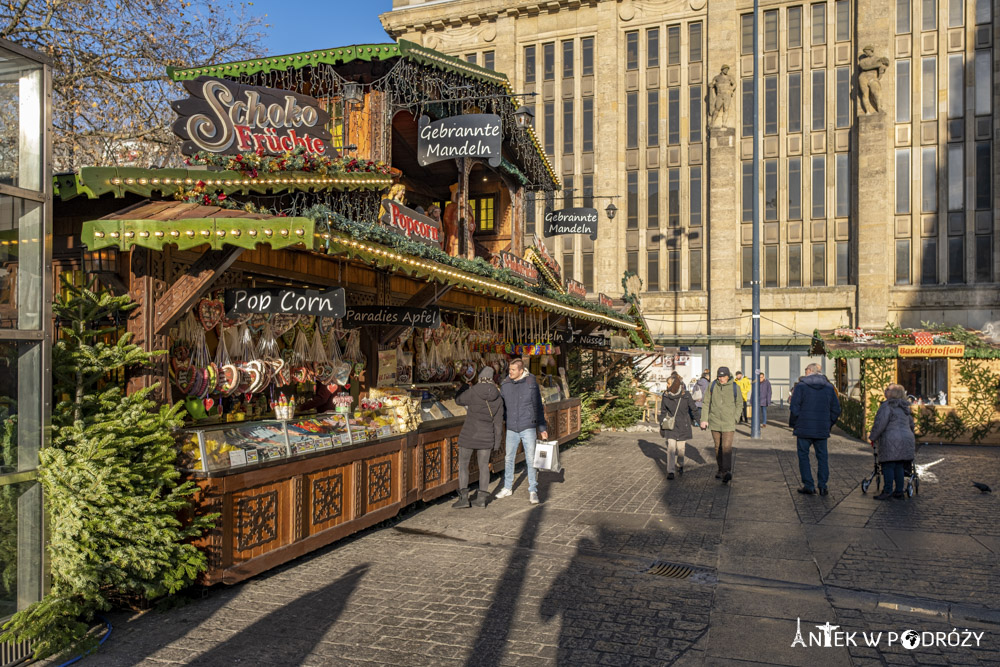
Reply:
x=177, y=182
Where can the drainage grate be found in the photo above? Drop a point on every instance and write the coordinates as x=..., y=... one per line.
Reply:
x=671, y=570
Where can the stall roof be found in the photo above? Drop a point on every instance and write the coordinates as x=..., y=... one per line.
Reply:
x=884, y=343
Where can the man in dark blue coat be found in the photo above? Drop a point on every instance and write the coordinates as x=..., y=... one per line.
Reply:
x=815, y=410
x=522, y=401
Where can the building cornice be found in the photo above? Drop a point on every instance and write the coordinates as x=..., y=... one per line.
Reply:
x=424, y=18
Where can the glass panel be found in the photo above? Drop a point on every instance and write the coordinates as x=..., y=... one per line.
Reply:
x=903, y=262
x=631, y=50
x=588, y=125
x=771, y=30
x=489, y=60
x=843, y=263
x=956, y=13
x=956, y=86
x=902, y=180
x=568, y=127
x=956, y=177
x=695, y=114
x=771, y=266
x=795, y=188
x=843, y=20
x=673, y=116
x=747, y=107
x=694, y=42
x=794, y=27
x=653, y=198
x=653, y=271
x=632, y=120
x=588, y=191
x=746, y=34
x=632, y=261
x=983, y=11
x=902, y=17
x=818, y=264
x=819, y=100
x=567, y=59
x=795, y=102
x=653, y=47
x=843, y=97
x=928, y=176
x=632, y=200
x=674, y=45
x=928, y=262
x=549, y=61
x=843, y=186
x=587, y=56
x=22, y=228
x=984, y=82
x=819, y=186
x=795, y=266
x=770, y=190
x=928, y=89
x=902, y=91
x=747, y=192
x=530, y=212
x=20, y=546
x=747, y=266
x=471, y=57
x=695, y=203
x=529, y=64
x=673, y=197
x=984, y=259
x=652, y=118
x=568, y=191
x=568, y=266
x=674, y=270
x=20, y=406
x=819, y=24
x=956, y=259
x=770, y=105
x=983, y=171
x=588, y=270
x=21, y=131
x=928, y=13
x=695, y=276
x=550, y=128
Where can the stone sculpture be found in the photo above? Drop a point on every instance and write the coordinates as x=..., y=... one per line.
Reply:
x=870, y=71
x=720, y=95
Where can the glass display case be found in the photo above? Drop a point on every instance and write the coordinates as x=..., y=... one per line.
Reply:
x=551, y=388
x=438, y=403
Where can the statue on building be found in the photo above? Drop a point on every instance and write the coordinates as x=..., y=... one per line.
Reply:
x=870, y=71
x=450, y=222
x=720, y=95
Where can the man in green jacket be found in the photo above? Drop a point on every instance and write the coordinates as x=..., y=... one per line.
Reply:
x=721, y=407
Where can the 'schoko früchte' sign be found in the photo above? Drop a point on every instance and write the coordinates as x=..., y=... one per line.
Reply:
x=571, y=221
x=407, y=222
x=359, y=316
x=285, y=300
x=522, y=267
x=469, y=135
x=576, y=288
x=227, y=117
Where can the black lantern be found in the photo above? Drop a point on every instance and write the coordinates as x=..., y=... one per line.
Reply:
x=353, y=94
x=525, y=116
x=104, y=261
x=611, y=210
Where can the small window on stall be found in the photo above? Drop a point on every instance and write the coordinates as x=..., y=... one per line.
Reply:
x=925, y=380
x=484, y=209
x=840, y=376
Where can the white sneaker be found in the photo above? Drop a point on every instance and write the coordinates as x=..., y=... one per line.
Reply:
x=533, y=498
x=504, y=493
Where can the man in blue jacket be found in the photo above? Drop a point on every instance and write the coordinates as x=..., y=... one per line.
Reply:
x=814, y=411
x=522, y=402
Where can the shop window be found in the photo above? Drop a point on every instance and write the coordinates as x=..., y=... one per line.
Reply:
x=653, y=47
x=529, y=64
x=484, y=209
x=925, y=380
x=587, y=56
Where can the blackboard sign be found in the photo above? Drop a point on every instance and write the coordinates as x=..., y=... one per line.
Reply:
x=468, y=135
x=590, y=342
x=227, y=117
x=407, y=222
x=359, y=316
x=285, y=300
x=571, y=221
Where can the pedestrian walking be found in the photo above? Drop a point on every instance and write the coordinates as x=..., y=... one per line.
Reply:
x=677, y=413
x=763, y=396
x=814, y=411
x=744, y=384
x=721, y=410
x=525, y=420
x=481, y=433
x=896, y=442
x=700, y=387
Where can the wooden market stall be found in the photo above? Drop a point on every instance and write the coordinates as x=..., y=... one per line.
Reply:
x=951, y=375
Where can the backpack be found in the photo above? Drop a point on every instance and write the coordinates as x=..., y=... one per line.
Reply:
x=737, y=394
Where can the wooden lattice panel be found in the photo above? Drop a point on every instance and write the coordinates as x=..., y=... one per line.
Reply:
x=329, y=498
x=381, y=478
x=259, y=521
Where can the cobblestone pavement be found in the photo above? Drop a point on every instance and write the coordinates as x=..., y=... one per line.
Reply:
x=567, y=582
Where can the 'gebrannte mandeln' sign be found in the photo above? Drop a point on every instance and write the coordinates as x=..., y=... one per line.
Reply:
x=226, y=117
x=469, y=135
x=407, y=222
x=571, y=221
x=932, y=350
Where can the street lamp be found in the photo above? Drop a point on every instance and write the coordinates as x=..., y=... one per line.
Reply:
x=611, y=210
x=524, y=115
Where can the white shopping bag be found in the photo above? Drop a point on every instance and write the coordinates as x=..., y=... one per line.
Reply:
x=547, y=455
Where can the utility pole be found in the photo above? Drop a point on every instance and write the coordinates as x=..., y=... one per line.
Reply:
x=755, y=282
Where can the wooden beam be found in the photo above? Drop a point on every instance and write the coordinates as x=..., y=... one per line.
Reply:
x=188, y=288
x=587, y=327
x=428, y=295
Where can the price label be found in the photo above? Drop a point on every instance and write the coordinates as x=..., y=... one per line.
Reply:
x=384, y=431
x=238, y=458
x=251, y=457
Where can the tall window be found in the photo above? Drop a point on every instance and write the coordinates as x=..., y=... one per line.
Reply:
x=902, y=181
x=956, y=13
x=694, y=42
x=632, y=201
x=632, y=120
x=568, y=197
x=568, y=264
x=567, y=59
x=956, y=177
x=794, y=188
x=587, y=56
x=928, y=262
x=928, y=88
x=588, y=124
x=747, y=104
x=843, y=8
x=902, y=91
x=471, y=58
x=747, y=266
x=529, y=64
x=746, y=34
x=819, y=186
x=928, y=179
x=673, y=197
x=984, y=190
x=673, y=116
x=653, y=47
x=568, y=127
x=929, y=15
x=843, y=97
x=771, y=30
x=983, y=11
x=587, y=270
x=770, y=266
x=694, y=115
x=956, y=260
x=529, y=213
x=631, y=50
x=653, y=270
x=984, y=258
x=653, y=198
x=794, y=19
x=674, y=45
x=956, y=85
x=748, y=193
x=795, y=102
x=673, y=270
x=902, y=17
x=843, y=263
x=819, y=100
x=489, y=60
x=549, y=61
x=984, y=82
x=695, y=197
x=770, y=105
x=818, y=264
x=770, y=190
x=819, y=23
x=902, y=261
x=843, y=209
x=632, y=261
x=652, y=117
x=484, y=209
x=795, y=266
x=550, y=127
x=694, y=274
x=588, y=191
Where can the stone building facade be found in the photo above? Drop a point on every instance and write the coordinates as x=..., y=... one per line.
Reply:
x=865, y=218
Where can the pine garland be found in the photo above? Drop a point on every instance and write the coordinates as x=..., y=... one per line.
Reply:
x=254, y=163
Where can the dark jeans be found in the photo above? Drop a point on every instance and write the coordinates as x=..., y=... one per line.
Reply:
x=892, y=471
x=822, y=465
x=763, y=414
x=723, y=450
x=483, y=458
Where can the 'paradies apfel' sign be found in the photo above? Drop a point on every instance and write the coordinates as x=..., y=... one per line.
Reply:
x=571, y=221
x=285, y=300
x=426, y=318
x=522, y=267
x=407, y=222
x=226, y=117
x=576, y=288
x=469, y=135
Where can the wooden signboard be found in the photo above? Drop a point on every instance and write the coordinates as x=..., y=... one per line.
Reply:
x=522, y=267
x=469, y=135
x=407, y=222
x=932, y=350
x=285, y=300
x=605, y=300
x=576, y=288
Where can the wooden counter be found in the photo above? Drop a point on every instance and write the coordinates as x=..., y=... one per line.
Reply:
x=271, y=515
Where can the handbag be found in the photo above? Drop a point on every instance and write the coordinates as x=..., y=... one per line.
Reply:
x=667, y=423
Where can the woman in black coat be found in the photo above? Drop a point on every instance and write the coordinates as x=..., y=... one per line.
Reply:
x=482, y=432
x=677, y=402
x=892, y=433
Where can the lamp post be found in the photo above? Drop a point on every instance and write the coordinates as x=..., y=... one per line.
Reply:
x=755, y=283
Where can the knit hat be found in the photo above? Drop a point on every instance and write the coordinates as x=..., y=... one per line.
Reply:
x=723, y=370
x=486, y=373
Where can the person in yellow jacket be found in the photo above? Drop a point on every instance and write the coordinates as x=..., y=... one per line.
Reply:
x=744, y=384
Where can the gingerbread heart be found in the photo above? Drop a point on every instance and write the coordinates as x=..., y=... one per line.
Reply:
x=282, y=322
x=210, y=313
x=209, y=404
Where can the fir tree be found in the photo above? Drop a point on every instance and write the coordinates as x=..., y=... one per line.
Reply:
x=112, y=491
